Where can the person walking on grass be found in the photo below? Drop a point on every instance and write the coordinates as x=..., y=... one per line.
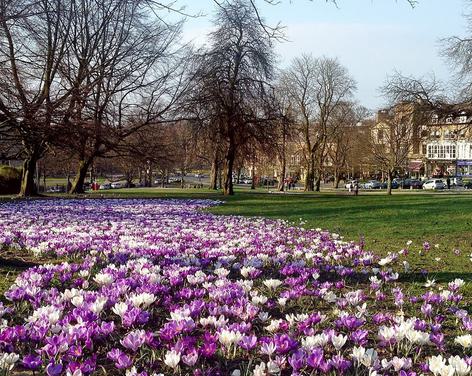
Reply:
x=356, y=188
x=448, y=183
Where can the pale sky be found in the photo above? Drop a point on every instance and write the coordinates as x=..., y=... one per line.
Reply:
x=370, y=37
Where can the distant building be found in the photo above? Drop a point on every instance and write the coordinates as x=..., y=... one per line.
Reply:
x=441, y=141
x=446, y=144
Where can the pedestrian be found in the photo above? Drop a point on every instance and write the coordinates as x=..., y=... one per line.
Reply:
x=448, y=183
x=356, y=188
x=349, y=186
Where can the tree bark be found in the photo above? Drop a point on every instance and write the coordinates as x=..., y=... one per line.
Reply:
x=253, y=177
x=228, y=172
x=389, y=183
x=281, y=186
x=79, y=179
x=214, y=172
x=310, y=175
x=318, y=182
x=28, y=188
x=283, y=163
x=337, y=179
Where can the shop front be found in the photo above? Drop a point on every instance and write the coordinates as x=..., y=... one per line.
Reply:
x=464, y=168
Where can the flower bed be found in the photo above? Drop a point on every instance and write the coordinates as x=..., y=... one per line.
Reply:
x=161, y=287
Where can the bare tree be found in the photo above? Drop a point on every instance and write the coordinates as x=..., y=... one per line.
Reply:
x=316, y=88
x=391, y=140
x=33, y=42
x=124, y=75
x=233, y=79
x=343, y=138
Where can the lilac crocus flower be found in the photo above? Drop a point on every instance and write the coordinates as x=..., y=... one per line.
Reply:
x=315, y=358
x=248, y=342
x=134, y=340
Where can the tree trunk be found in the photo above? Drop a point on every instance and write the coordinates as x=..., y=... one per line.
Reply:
x=28, y=188
x=253, y=177
x=79, y=179
x=281, y=186
x=214, y=172
x=310, y=175
x=389, y=183
x=228, y=172
x=337, y=179
x=318, y=182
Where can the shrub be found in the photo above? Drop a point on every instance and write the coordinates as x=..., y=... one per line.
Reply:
x=10, y=180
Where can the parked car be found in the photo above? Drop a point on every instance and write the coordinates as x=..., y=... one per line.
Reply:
x=105, y=186
x=117, y=185
x=416, y=184
x=372, y=184
x=384, y=185
x=468, y=185
x=57, y=189
x=269, y=181
x=457, y=181
x=434, y=184
x=246, y=181
x=175, y=179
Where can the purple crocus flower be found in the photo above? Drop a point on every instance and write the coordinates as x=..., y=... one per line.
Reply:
x=248, y=342
x=53, y=369
x=32, y=362
x=359, y=337
x=315, y=358
x=297, y=360
x=208, y=349
x=134, y=340
x=284, y=343
x=340, y=364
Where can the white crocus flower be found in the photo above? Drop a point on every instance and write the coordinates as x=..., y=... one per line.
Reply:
x=103, y=278
x=120, y=309
x=369, y=358
x=272, y=283
x=97, y=306
x=465, y=340
x=77, y=301
x=338, y=341
x=143, y=300
x=460, y=365
x=260, y=370
x=273, y=368
x=436, y=364
x=358, y=352
x=430, y=283
x=229, y=337
x=282, y=301
x=172, y=359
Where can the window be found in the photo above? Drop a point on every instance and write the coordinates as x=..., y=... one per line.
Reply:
x=463, y=119
x=441, y=151
x=434, y=119
x=449, y=120
x=380, y=135
x=423, y=149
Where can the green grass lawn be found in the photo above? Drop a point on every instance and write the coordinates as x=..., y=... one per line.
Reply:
x=385, y=223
